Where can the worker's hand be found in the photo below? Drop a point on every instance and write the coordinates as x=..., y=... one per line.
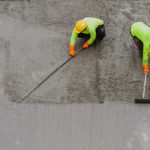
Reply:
x=146, y=69
x=72, y=51
x=149, y=53
x=86, y=45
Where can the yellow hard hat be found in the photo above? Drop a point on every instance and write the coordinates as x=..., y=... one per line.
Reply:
x=80, y=26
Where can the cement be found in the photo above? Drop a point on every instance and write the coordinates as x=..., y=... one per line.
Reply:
x=34, y=40
x=110, y=126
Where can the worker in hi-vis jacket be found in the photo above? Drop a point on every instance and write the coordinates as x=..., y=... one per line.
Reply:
x=141, y=37
x=88, y=28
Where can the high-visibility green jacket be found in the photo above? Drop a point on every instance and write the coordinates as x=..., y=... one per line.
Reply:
x=142, y=32
x=92, y=23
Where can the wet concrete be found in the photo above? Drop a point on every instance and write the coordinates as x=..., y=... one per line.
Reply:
x=34, y=39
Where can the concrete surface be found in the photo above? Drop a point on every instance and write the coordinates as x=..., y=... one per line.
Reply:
x=110, y=126
x=34, y=39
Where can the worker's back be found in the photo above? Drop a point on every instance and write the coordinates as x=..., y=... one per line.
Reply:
x=142, y=32
x=93, y=22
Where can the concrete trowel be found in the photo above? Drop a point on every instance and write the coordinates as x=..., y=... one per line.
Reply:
x=143, y=100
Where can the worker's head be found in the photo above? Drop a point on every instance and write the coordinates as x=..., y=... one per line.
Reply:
x=80, y=26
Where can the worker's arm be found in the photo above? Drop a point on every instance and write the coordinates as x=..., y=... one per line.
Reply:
x=145, y=59
x=73, y=37
x=72, y=42
x=91, y=40
x=92, y=36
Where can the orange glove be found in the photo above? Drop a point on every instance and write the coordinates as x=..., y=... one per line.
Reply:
x=72, y=51
x=149, y=53
x=86, y=45
x=145, y=67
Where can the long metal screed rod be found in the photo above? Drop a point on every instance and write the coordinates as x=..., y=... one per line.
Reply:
x=48, y=76
x=144, y=87
x=143, y=100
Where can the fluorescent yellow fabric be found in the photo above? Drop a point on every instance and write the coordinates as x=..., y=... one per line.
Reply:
x=142, y=32
x=92, y=24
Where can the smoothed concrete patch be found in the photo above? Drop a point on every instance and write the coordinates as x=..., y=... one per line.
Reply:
x=34, y=40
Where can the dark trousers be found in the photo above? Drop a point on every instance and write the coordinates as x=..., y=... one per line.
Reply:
x=138, y=43
x=100, y=33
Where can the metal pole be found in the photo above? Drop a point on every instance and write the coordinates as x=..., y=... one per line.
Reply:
x=48, y=76
x=144, y=87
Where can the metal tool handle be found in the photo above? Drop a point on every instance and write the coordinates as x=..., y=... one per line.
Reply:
x=144, y=87
x=48, y=76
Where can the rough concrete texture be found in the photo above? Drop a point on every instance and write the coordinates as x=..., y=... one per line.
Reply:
x=34, y=39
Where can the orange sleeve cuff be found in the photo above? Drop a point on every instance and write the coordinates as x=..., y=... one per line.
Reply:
x=71, y=46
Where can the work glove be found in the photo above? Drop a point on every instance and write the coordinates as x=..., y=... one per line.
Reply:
x=146, y=69
x=86, y=45
x=149, y=53
x=72, y=51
